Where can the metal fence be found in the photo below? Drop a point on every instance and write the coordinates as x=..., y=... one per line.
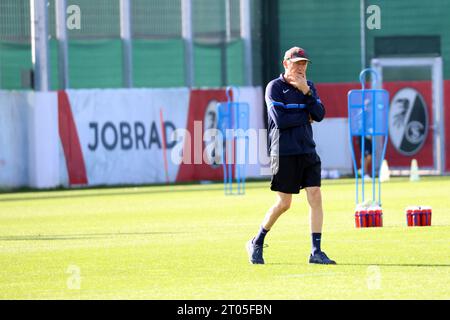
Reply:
x=129, y=43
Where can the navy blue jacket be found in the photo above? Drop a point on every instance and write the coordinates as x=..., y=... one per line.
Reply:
x=288, y=111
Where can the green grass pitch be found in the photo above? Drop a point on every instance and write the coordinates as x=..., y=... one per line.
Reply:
x=187, y=242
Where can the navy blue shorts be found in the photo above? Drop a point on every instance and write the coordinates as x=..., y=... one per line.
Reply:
x=293, y=173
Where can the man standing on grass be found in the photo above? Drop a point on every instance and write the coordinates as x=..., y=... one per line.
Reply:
x=292, y=104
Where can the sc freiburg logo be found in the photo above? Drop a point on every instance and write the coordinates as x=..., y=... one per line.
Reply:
x=408, y=121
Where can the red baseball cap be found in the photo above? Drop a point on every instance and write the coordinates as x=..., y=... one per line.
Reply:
x=295, y=54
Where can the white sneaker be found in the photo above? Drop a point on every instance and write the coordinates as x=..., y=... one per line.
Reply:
x=367, y=177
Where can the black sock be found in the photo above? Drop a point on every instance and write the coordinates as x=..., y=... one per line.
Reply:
x=259, y=239
x=316, y=238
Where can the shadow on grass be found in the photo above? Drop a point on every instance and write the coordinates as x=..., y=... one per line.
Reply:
x=368, y=264
x=190, y=187
x=396, y=264
x=81, y=236
x=213, y=187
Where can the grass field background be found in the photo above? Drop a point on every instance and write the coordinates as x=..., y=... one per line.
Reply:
x=187, y=242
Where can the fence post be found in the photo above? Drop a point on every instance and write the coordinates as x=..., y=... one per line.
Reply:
x=61, y=36
x=246, y=35
x=186, y=12
x=39, y=44
x=125, y=34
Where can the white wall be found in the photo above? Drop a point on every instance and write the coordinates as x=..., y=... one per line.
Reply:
x=28, y=140
x=332, y=144
x=13, y=139
x=43, y=140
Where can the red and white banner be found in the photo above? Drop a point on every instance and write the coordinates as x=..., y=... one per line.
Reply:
x=202, y=109
x=130, y=136
x=121, y=136
x=334, y=96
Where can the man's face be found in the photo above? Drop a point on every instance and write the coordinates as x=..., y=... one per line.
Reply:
x=298, y=67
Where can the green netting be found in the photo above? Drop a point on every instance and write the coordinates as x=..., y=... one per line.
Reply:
x=235, y=63
x=414, y=17
x=257, y=48
x=95, y=51
x=14, y=58
x=217, y=62
x=207, y=68
x=53, y=50
x=15, y=20
x=95, y=64
x=330, y=31
x=209, y=20
x=99, y=19
x=235, y=18
x=158, y=63
x=156, y=19
x=15, y=49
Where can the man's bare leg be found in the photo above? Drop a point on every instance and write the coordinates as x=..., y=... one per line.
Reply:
x=255, y=246
x=282, y=204
x=314, y=196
